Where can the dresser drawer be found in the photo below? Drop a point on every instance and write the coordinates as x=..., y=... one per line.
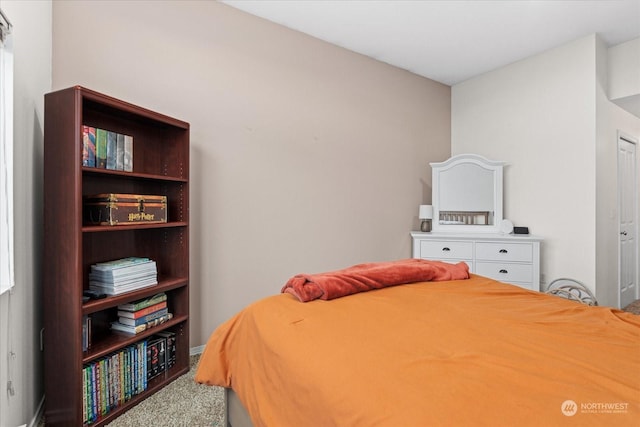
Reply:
x=519, y=252
x=505, y=272
x=433, y=249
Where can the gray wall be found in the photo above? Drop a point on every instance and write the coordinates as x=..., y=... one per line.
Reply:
x=305, y=156
x=20, y=312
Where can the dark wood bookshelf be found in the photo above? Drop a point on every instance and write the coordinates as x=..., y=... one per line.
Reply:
x=160, y=167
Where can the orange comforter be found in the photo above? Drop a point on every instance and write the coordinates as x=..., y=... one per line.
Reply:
x=455, y=353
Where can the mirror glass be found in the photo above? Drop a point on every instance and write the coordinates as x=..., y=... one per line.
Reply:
x=467, y=194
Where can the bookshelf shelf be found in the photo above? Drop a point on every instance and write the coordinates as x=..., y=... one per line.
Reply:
x=160, y=167
x=114, y=341
x=110, y=228
x=130, y=175
x=164, y=285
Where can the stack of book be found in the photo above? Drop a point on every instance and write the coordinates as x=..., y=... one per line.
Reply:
x=123, y=275
x=139, y=316
x=106, y=149
x=112, y=380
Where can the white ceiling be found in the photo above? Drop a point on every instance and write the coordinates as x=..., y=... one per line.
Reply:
x=451, y=41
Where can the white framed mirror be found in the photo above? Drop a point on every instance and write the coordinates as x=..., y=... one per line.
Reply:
x=467, y=194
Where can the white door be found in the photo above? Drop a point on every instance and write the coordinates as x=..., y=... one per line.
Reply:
x=627, y=202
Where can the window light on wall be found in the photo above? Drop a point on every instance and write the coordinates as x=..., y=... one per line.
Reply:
x=6, y=155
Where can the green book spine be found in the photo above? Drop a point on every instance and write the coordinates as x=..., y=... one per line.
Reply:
x=101, y=148
x=143, y=303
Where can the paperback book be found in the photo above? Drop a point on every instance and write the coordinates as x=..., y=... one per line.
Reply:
x=136, y=329
x=86, y=332
x=101, y=148
x=88, y=146
x=110, y=381
x=106, y=149
x=156, y=357
x=171, y=347
x=144, y=319
x=128, y=153
x=143, y=303
x=119, y=151
x=143, y=311
x=112, y=147
x=123, y=275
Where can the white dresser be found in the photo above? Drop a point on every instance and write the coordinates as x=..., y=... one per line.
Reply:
x=508, y=258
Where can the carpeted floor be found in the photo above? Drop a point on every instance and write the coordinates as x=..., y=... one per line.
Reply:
x=181, y=403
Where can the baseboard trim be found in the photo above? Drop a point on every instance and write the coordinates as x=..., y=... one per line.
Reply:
x=193, y=351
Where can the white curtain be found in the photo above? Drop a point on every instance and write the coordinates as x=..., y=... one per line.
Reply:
x=6, y=155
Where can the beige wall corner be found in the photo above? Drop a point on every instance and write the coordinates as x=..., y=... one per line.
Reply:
x=305, y=156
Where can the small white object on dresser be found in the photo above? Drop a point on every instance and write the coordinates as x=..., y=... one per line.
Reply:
x=511, y=258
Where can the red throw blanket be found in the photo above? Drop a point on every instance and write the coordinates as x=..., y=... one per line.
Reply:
x=374, y=275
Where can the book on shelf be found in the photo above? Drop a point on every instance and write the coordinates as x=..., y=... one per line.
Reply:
x=106, y=149
x=118, y=273
x=121, y=263
x=170, y=337
x=117, y=290
x=88, y=146
x=113, y=380
x=143, y=303
x=86, y=398
x=144, y=319
x=112, y=147
x=86, y=332
x=127, y=279
x=143, y=311
x=122, y=279
x=156, y=357
x=119, y=151
x=123, y=275
x=134, y=330
x=128, y=153
x=101, y=148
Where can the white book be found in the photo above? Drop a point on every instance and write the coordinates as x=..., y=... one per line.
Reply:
x=128, y=153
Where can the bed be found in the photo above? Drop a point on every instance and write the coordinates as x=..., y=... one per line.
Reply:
x=452, y=353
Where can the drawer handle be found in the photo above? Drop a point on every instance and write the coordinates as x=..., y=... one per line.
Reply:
x=503, y=271
x=446, y=249
x=503, y=251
